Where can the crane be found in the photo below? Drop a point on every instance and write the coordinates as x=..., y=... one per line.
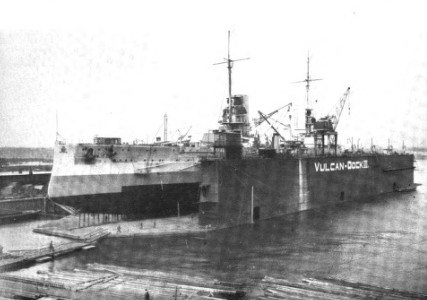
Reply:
x=182, y=136
x=335, y=114
x=264, y=117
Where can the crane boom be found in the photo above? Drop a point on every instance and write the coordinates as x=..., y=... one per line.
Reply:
x=264, y=116
x=335, y=116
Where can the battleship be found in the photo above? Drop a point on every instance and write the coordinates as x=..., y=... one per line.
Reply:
x=229, y=177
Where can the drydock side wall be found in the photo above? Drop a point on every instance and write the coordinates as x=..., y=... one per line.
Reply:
x=226, y=190
x=130, y=180
x=281, y=186
x=139, y=201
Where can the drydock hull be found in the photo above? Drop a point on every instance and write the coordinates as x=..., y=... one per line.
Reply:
x=156, y=194
x=239, y=191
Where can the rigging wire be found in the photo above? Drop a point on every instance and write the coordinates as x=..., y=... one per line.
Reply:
x=161, y=125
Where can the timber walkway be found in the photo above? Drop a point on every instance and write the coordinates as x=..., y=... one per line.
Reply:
x=328, y=289
x=15, y=259
x=110, y=282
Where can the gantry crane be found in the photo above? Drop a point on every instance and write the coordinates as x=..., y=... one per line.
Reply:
x=326, y=126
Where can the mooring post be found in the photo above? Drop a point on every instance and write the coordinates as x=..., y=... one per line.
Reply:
x=252, y=205
x=178, y=209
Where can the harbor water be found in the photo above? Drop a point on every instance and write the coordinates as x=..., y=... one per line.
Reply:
x=381, y=242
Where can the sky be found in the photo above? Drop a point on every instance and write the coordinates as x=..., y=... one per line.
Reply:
x=115, y=68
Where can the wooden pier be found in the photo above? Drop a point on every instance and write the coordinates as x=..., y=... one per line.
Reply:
x=109, y=282
x=328, y=289
x=20, y=258
x=87, y=237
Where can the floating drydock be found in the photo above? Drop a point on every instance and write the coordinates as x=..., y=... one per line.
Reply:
x=307, y=171
x=245, y=190
x=230, y=177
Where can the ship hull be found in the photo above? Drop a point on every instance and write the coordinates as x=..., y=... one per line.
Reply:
x=242, y=191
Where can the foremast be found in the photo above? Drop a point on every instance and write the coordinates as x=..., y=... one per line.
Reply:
x=235, y=116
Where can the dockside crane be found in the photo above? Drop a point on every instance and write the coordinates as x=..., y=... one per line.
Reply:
x=339, y=108
x=335, y=114
x=326, y=126
x=263, y=117
x=182, y=136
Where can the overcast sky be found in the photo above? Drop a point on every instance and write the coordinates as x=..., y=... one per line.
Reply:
x=114, y=68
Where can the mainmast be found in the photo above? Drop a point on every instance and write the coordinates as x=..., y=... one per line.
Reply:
x=307, y=81
x=229, y=67
x=229, y=63
x=308, y=117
